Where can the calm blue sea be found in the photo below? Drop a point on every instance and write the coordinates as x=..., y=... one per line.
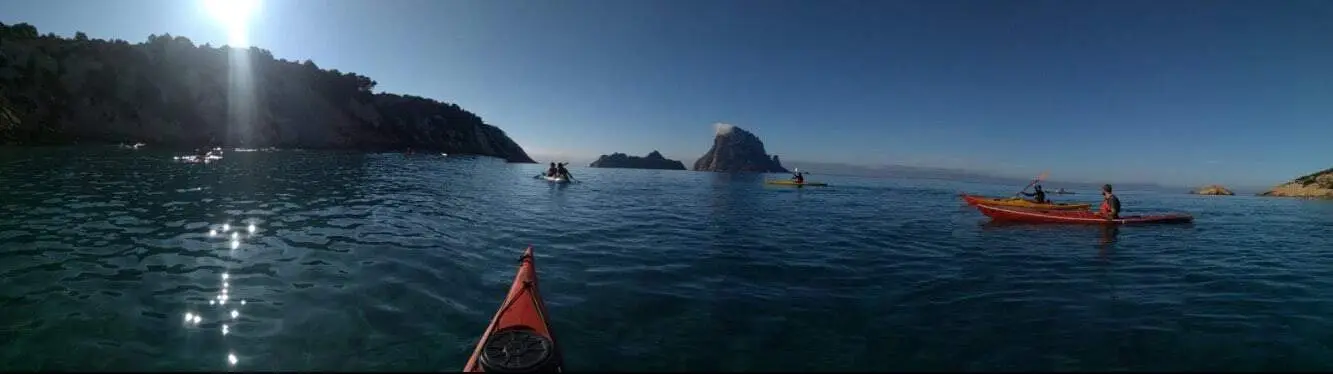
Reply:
x=292, y=260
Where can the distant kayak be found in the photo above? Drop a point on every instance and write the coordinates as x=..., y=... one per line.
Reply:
x=519, y=337
x=555, y=179
x=1021, y=203
x=788, y=182
x=1082, y=217
x=194, y=159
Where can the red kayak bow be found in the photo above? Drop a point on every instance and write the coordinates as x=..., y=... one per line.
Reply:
x=519, y=338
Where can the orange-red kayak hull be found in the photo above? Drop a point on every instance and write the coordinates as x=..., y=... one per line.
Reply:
x=1010, y=214
x=521, y=310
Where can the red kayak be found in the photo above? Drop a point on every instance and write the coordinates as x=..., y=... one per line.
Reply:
x=518, y=338
x=1074, y=216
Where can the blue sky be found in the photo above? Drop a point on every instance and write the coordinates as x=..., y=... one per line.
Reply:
x=1180, y=92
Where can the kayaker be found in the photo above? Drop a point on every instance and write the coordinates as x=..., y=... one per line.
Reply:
x=552, y=171
x=797, y=176
x=1039, y=195
x=561, y=171
x=1110, y=203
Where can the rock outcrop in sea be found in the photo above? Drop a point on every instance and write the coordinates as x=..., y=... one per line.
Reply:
x=653, y=160
x=1314, y=185
x=1212, y=190
x=737, y=150
x=168, y=92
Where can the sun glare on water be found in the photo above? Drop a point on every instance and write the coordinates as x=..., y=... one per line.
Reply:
x=235, y=16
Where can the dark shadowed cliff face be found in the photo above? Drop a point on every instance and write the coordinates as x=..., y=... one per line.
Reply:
x=168, y=92
x=653, y=160
x=737, y=150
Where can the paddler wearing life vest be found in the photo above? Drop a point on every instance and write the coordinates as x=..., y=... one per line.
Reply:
x=1110, y=204
x=797, y=176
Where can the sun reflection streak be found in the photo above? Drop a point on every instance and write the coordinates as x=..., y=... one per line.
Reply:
x=228, y=317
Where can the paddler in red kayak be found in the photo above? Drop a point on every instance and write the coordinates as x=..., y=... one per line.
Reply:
x=1038, y=195
x=1110, y=204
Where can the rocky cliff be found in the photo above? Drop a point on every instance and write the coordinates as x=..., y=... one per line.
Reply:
x=1314, y=185
x=653, y=160
x=168, y=92
x=1212, y=190
x=737, y=150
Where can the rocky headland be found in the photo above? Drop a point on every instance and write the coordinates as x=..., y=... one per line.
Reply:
x=1212, y=190
x=168, y=92
x=1318, y=185
x=653, y=160
x=737, y=150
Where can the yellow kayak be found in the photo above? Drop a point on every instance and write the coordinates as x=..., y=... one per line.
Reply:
x=1021, y=203
x=788, y=182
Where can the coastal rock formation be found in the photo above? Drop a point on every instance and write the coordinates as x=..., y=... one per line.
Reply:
x=1314, y=185
x=169, y=92
x=653, y=160
x=737, y=150
x=1212, y=190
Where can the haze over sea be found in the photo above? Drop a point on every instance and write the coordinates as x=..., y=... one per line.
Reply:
x=118, y=260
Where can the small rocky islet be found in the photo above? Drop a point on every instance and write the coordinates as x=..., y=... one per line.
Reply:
x=653, y=160
x=1215, y=190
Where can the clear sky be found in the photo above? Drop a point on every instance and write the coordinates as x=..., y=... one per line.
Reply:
x=1181, y=92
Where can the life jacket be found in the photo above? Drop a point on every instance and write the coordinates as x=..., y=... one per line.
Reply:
x=1106, y=206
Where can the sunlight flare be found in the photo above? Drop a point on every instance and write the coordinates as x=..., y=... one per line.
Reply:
x=235, y=16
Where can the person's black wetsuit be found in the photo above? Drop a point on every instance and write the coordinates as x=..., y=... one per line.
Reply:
x=1039, y=195
x=561, y=171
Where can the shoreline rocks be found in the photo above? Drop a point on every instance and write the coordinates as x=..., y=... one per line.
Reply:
x=1317, y=185
x=653, y=160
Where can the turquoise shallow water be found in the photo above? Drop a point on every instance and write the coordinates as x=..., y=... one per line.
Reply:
x=393, y=262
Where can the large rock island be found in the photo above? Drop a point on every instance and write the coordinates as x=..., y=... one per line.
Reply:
x=737, y=150
x=168, y=92
x=1314, y=185
x=653, y=160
